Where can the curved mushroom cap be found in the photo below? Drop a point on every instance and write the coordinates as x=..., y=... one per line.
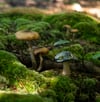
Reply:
x=42, y=50
x=64, y=56
x=67, y=26
x=23, y=35
x=74, y=30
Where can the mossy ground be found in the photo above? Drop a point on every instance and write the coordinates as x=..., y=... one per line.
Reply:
x=46, y=84
x=12, y=97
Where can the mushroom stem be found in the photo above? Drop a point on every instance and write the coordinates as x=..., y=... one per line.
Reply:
x=66, y=69
x=41, y=61
x=34, y=64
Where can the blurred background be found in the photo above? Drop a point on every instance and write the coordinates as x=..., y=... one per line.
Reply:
x=51, y=6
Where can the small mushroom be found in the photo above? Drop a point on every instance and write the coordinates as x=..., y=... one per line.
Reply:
x=73, y=31
x=28, y=37
x=64, y=57
x=41, y=51
x=68, y=28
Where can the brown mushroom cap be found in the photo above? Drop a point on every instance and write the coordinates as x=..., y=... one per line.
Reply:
x=74, y=30
x=67, y=26
x=42, y=50
x=23, y=35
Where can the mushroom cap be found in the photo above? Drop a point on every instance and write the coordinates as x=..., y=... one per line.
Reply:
x=67, y=26
x=42, y=50
x=74, y=30
x=24, y=35
x=64, y=56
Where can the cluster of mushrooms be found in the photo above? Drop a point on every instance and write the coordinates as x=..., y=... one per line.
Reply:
x=63, y=57
x=28, y=37
x=70, y=32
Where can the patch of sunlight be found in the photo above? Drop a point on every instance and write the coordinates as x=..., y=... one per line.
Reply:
x=54, y=80
x=17, y=92
x=17, y=63
x=77, y=7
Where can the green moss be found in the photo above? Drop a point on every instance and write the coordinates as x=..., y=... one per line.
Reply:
x=90, y=34
x=65, y=89
x=10, y=97
x=21, y=21
x=76, y=20
x=49, y=73
x=98, y=98
x=3, y=82
x=10, y=43
x=17, y=73
x=94, y=57
x=2, y=46
x=77, y=50
x=14, y=43
x=3, y=39
x=49, y=94
x=56, y=34
x=35, y=26
x=86, y=89
x=10, y=67
x=59, y=20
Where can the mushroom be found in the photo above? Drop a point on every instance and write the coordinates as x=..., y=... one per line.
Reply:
x=64, y=57
x=41, y=51
x=73, y=31
x=28, y=37
x=68, y=28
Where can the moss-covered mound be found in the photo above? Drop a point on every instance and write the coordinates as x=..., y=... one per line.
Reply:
x=50, y=27
x=88, y=31
x=71, y=18
x=50, y=88
x=87, y=26
x=17, y=74
x=10, y=67
x=48, y=84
